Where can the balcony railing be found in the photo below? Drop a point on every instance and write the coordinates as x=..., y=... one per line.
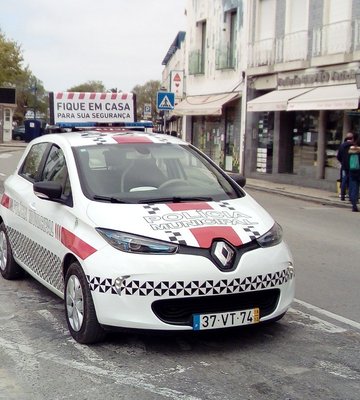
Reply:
x=332, y=39
x=225, y=58
x=339, y=37
x=196, y=62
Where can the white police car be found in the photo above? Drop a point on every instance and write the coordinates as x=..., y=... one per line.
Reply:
x=140, y=230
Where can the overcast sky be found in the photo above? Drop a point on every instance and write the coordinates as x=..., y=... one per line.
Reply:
x=119, y=42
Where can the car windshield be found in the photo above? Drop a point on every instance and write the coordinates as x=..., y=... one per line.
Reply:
x=150, y=173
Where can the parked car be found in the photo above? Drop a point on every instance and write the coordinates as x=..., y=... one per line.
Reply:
x=18, y=133
x=141, y=231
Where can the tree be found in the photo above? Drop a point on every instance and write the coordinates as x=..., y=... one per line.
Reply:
x=31, y=96
x=30, y=93
x=146, y=94
x=89, y=86
x=10, y=61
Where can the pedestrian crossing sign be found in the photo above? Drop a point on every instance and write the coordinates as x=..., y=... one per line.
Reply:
x=165, y=100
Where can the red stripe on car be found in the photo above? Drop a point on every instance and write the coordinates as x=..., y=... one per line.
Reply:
x=206, y=235
x=5, y=201
x=75, y=244
x=189, y=206
x=131, y=139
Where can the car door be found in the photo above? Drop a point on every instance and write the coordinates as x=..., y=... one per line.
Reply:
x=33, y=222
x=17, y=200
x=48, y=216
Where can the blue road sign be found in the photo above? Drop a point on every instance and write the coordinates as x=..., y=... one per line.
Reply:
x=165, y=100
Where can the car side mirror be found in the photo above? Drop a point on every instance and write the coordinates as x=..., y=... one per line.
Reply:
x=48, y=190
x=238, y=178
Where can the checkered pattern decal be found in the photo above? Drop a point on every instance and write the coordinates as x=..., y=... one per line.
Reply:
x=192, y=288
x=152, y=210
x=175, y=237
x=225, y=205
x=252, y=232
x=47, y=265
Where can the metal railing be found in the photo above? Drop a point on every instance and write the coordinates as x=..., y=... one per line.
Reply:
x=225, y=58
x=196, y=62
x=339, y=37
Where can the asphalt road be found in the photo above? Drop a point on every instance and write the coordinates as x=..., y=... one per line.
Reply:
x=312, y=353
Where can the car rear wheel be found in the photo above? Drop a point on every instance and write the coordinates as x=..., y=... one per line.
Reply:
x=8, y=267
x=79, y=307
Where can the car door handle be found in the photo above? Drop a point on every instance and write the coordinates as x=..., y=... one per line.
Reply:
x=32, y=206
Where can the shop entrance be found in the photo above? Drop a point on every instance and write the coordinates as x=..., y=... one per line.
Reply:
x=305, y=139
x=207, y=137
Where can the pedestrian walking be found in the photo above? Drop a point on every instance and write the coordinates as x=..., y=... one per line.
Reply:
x=354, y=173
x=343, y=158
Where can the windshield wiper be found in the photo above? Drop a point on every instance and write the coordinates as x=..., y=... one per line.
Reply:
x=176, y=199
x=110, y=199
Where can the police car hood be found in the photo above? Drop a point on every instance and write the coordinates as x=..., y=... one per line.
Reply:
x=194, y=224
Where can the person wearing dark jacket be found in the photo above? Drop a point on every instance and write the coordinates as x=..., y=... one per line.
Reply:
x=343, y=158
x=354, y=174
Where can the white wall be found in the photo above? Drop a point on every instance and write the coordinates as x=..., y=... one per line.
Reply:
x=213, y=81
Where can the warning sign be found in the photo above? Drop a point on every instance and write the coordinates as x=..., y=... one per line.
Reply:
x=177, y=83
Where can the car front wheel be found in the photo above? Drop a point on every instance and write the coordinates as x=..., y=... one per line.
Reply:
x=8, y=267
x=79, y=307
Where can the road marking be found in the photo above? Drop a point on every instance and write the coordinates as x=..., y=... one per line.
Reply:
x=316, y=323
x=329, y=314
x=5, y=155
x=339, y=370
x=135, y=380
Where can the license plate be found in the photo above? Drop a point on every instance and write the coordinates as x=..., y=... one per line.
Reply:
x=226, y=319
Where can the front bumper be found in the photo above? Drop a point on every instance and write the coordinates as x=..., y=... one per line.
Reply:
x=162, y=292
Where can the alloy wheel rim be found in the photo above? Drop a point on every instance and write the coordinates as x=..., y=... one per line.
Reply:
x=3, y=251
x=74, y=303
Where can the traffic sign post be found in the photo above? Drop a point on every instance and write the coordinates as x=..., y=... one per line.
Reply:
x=165, y=101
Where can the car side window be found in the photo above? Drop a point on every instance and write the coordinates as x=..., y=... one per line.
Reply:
x=55, y=170
x=31, y=165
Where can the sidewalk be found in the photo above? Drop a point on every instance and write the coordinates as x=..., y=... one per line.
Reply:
x=316, y=195
x=13, y=145
x=299, y=192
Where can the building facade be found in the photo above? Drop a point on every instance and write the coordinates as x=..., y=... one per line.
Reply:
x=303, y=58
x=214, y=66
x=270, y=85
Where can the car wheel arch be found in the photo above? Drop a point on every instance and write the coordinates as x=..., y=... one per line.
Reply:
x=68, y=260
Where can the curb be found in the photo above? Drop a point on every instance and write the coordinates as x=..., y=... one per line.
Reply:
x=313, y=199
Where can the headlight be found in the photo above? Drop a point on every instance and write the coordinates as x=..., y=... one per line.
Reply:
x=136, y=244
x=271, y=237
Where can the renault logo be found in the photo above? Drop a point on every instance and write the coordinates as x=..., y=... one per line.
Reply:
x=224, y=255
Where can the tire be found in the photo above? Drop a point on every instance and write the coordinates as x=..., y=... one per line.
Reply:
x=9, y=269
x=79, y=308
x=276, y=319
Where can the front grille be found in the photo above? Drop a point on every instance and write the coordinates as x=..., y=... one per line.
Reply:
x=180, y=311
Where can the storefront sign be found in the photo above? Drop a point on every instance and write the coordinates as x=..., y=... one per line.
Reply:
x=317, y=78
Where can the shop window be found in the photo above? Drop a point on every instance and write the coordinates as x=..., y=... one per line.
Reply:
x=264, y=155
x=207, y=136
x=232, y=138
x=333, y=137
x=305, y=140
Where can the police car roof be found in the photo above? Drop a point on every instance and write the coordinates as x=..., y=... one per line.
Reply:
x=108, y=136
